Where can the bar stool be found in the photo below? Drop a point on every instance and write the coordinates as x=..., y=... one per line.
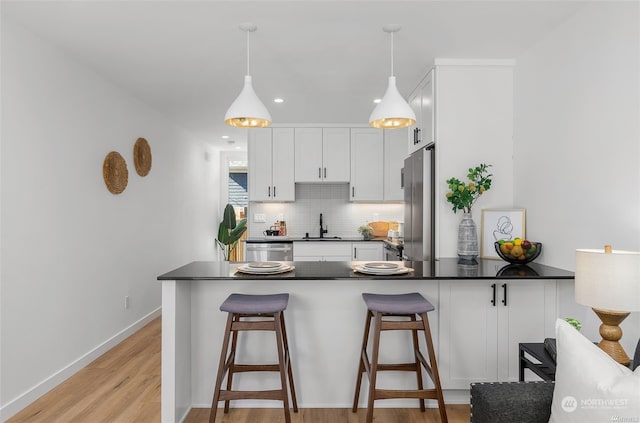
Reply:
x=407, y=306
x=269, y=308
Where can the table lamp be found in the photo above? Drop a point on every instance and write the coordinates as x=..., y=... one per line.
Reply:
x=608, y=281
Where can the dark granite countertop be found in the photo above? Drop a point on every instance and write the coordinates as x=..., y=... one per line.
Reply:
x=447, y=268
x=301, y=239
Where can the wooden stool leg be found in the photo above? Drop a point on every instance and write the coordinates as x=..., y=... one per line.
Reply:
x=281, y=364
x=289, y=370
x=416, y=348
x=434, y=368
x=221, y=370
x=232, y=363
x=374, y=366
x=361, y=368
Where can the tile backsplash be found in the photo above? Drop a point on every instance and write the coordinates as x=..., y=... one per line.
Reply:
x=340, y=216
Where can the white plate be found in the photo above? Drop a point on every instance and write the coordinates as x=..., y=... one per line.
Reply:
x=377, y=272
x=381, y=265
x=258, y=271
x=264, y=264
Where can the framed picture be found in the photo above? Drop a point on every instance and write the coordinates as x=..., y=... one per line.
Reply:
x=500, y=224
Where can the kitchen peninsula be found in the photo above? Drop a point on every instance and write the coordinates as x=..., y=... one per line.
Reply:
x=482, y=311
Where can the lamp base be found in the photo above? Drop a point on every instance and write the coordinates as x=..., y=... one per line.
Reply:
x=611, y=334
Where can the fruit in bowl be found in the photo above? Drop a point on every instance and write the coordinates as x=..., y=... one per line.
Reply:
x=518, y=250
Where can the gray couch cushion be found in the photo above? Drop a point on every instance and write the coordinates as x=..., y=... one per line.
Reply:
x=522, y=402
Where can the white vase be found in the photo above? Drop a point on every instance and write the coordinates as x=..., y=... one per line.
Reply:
x=467, y=238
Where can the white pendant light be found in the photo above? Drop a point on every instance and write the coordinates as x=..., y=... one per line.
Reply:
x=393, y=111
x=247, y=111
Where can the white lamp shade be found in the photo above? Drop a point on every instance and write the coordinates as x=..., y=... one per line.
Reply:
x=393, y=111
x=608, y=281
x=247, y=111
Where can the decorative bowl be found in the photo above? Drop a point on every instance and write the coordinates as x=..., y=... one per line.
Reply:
x=528, y=254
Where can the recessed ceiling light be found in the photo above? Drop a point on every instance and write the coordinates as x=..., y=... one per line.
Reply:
x=278, y=100
x=225, y=137
x=238, y=148
x=377, y=100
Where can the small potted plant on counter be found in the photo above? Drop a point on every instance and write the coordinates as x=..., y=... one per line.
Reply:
x=366, y=231
x=230, y=232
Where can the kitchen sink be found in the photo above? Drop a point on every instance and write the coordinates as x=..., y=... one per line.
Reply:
x=317, y=238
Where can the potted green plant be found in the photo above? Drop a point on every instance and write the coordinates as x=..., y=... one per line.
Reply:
x=574, y=322
x=462, y=196
x=366, y=231
x=230, y=231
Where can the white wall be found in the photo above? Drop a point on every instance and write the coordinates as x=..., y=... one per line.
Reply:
x=474, y=124
x=71, y=250
x=577, y=141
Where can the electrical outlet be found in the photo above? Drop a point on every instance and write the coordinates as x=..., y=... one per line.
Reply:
x=259, y=218
x=126, y=302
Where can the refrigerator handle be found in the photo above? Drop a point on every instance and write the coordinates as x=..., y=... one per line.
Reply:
x=402, y=178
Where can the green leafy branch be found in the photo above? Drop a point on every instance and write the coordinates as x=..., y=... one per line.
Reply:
x=230, y=231
x=462, y=195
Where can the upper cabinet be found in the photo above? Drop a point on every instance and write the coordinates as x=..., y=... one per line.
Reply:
x=368, y=159
x=322, y=155
x=367, y=170
x=394, y=155
x=270, y=154
x=422, y=102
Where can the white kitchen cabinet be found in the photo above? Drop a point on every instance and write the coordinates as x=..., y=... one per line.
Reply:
x=270, y=154
x=394, y=155
x=367, y=165
x=421, y=101
x=322, y=154
x=479, y=332
x=367, y=251
x=322, y=251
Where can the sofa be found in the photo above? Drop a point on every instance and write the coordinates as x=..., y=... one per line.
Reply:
x=524, y=402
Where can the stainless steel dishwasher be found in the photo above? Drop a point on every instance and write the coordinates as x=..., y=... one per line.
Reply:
x=270, y=251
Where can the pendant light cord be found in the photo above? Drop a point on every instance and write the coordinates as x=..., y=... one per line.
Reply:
x=392, y=54
x=248, y=34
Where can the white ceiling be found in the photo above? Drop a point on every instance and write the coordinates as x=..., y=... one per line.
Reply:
x=327, y=59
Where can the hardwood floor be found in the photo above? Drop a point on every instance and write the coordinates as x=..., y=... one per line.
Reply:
x=455, y=414
x=123, y=386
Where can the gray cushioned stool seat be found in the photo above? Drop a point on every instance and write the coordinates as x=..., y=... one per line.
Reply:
x=255, y=304
x=412, y=303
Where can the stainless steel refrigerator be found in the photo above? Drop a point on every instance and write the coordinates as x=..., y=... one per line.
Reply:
x=419, y=204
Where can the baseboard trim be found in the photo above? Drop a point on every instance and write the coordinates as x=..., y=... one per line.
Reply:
x=17, y=404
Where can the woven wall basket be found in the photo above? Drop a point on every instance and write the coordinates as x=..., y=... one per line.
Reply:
x=142, y=157
x=115, y=173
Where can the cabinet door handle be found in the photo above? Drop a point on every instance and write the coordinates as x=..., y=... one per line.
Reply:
x=493, y=300
x=418, y=140
x=269, y=192
x=353, y=192
x=504, y=300
x=325, y=173
x=355, y=253
x=274, y=191
x=415, y=136
x=319, y=173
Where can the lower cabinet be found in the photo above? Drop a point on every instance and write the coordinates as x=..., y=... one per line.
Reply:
x=367, y=251
x=322, y=251
x=481, y=323
x=338, y=251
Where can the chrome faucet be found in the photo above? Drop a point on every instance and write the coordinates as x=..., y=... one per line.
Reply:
x=322, y=230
